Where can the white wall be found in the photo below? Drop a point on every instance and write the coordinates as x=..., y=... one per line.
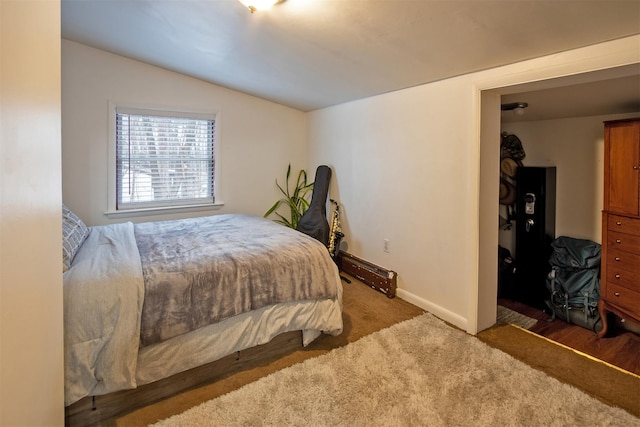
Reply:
x=401, y=173
x=31, y=353
x=257, y=139
x=575, y=146
x=408, y=168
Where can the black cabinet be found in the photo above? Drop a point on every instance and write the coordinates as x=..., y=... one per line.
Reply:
x=535, y=230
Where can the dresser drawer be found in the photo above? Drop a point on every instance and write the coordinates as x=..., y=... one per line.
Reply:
x=623, y=224
x=624, y=242
x=624, y=266
x=623, y=297
x=623, y=278
x=623, y=269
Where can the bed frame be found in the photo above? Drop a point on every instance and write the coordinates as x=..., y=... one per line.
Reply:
x=93, y=410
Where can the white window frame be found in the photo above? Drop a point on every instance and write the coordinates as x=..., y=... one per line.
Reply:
x=112, y=208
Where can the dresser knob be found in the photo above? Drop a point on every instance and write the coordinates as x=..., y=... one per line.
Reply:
x=617, y=276
x=618, y=223
x=636, y=167
x=617, y=258
x=617, y=294
x=618, y=241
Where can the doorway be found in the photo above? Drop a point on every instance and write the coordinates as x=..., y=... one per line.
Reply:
x=530, y=128
x=491, y=123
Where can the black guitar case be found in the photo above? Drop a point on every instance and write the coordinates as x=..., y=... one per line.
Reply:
x=314, y=221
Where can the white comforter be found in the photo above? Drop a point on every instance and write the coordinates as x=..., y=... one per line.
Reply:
x=103, y=296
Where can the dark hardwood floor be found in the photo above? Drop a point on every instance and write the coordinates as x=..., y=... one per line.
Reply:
x=620, y=348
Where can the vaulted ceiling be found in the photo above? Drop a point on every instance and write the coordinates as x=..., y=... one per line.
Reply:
x=310, y=54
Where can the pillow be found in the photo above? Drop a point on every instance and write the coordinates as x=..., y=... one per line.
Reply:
x=74, y=232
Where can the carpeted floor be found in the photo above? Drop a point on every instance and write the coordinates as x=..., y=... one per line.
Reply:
x=367, y=311
x=418, y=372
x=607, y=383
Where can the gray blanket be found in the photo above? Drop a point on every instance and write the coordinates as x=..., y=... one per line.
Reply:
x=199, y=271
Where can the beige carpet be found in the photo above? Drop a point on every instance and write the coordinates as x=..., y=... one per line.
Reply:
x=418, y=372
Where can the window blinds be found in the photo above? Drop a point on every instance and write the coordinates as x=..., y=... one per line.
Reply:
x=163, y=160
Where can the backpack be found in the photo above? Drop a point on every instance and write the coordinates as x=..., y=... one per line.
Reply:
x=574, y=282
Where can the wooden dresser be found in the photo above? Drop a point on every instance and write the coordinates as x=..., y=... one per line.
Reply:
x=620, y=268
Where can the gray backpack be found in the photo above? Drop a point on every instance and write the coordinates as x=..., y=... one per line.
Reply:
x=574, y=282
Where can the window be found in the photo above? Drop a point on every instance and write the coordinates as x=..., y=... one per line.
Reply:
x=163, y=159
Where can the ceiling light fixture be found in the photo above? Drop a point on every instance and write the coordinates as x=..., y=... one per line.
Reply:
x=254, y=5
x=516, y=107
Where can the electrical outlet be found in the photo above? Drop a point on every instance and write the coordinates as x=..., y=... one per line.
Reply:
x=385, y=245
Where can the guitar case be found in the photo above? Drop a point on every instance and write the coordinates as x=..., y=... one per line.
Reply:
x=314, y=221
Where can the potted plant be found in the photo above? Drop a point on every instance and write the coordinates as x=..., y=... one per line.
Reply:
x=295, y=199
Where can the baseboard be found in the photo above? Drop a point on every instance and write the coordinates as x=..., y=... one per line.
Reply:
x=379, y=278
x=438, y=311
x=385, y=281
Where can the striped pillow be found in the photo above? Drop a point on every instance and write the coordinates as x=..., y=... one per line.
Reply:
x=74, y=232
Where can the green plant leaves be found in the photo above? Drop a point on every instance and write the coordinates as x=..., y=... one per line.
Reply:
x=295, y=199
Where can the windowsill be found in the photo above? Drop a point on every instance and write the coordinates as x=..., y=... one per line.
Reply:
x=163, y=210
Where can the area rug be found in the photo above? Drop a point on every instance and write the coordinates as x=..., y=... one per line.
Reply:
x=420, y=372
x=506, y=315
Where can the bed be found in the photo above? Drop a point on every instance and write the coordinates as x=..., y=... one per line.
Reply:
x=143, y=302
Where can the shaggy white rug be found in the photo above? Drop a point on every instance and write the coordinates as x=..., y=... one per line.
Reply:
x=421, y=372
